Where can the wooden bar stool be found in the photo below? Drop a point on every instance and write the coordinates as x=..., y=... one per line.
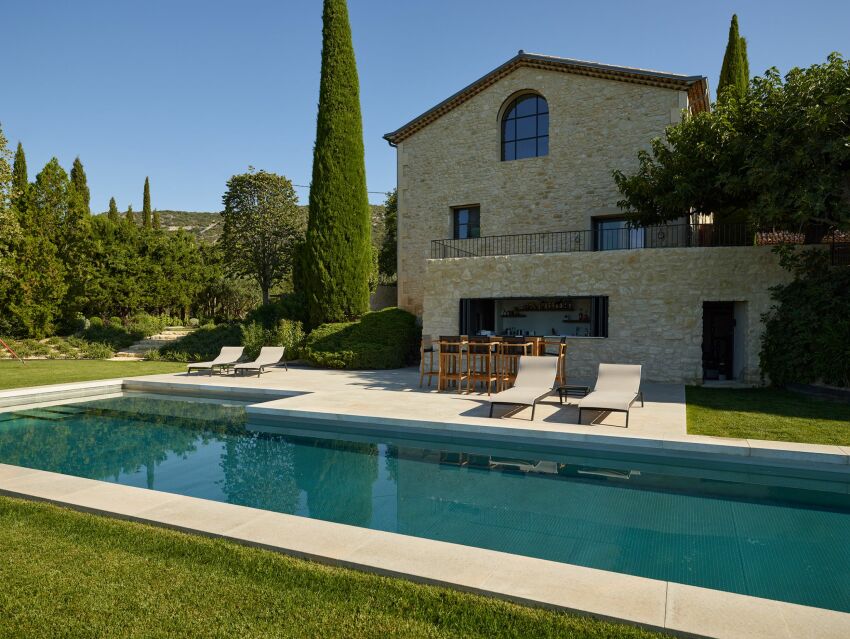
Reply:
x=481, y=363
x=429, y=360
x=452, y=363
x=510, y=350
x=558, y=346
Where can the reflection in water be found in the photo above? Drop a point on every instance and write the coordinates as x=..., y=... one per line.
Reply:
x=337, y=477
x=695, y=525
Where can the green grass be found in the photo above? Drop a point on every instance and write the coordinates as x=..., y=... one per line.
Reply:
x=37, y=372
x=70, y=574
x=767, y=413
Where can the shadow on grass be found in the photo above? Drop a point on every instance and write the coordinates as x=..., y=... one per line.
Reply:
x=769, y=401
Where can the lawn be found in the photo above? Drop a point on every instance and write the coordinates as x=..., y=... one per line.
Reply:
x=37, y=372
x=767, y=413
x=66, y=573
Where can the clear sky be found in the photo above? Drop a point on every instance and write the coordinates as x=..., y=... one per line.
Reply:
x=190, y=92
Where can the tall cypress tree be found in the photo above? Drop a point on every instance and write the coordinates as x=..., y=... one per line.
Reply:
x=112, y=215
x=146, y=205
x=130, y=217
x=80, y=184
x=735, y=72
x=20, y=179
x=337, y=257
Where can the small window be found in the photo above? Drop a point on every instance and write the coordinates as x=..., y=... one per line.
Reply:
x=467, y=222
x=611, y=234
x=525, y=128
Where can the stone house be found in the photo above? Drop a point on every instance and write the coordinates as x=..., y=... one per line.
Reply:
x=508, y=224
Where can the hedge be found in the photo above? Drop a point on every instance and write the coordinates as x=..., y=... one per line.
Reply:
x=385, y=339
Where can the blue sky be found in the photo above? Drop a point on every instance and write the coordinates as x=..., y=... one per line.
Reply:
x=190, y=92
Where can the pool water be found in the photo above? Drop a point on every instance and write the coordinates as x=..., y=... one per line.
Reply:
x=753, y=531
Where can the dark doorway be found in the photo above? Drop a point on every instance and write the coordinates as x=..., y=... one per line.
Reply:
x=718, y=340
x=477, y=315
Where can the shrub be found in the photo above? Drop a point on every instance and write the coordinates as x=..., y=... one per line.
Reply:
x=385, y=339
x=116, y=322
x=254, y=337
x=147, y=325
x=286, y=333
x=95, y=350
x=153, y=355
x=194, y=322
x=807, y=332
x=291, y=306
x=116, y=336
x=205, y=343
x=94, y=322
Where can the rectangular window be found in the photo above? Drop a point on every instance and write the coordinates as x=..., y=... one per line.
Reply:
x=611, y=234
x=466, y=222
x=568, y=316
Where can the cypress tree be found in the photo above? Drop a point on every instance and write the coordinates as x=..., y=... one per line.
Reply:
x=112, y=215
x=146, y=205
x=337, y=258
x=20, y=179
x=735, y=72
x=130, y=217
x=156, y=221
x=80, y=184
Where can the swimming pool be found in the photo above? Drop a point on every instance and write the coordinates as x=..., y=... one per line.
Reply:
x=751, y=530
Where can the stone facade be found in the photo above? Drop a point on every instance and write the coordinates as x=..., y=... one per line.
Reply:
x=595, y=126
x=655, y=301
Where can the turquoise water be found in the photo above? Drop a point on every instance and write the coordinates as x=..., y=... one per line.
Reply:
x=755, y=532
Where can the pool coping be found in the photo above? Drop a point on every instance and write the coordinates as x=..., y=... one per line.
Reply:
x=683, y=610
x=680, y=609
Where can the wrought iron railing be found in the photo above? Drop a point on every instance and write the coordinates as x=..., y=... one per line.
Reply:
x=602, y=239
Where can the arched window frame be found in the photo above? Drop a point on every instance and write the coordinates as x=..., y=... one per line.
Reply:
x=524, y=127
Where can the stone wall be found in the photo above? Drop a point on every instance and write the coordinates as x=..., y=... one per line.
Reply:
x=595, y=126
x=655, y=300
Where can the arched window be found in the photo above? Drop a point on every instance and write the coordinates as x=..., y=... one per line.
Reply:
x=525, y=128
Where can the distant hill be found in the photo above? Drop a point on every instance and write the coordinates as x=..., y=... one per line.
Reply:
x=207, y=226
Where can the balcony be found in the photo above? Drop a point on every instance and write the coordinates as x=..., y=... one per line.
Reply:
x=650, y=237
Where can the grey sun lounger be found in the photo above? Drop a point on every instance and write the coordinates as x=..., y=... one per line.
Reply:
x=534, y=380
x=269, y=356
x=617, y=388
x=228, y=356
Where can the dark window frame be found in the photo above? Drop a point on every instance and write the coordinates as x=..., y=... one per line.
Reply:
x=514, y=117
x=599, y=313
x=473, y=212
x=616, y=239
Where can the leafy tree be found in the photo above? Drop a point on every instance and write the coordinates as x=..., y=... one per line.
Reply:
x=735, y=72
x=80, y=184
x=113, y=215
x=778, y=157
x=146, y=205
x=388, y=258
x=337, y=258
x=48, y=201
x=20, y=179
x=10, y=232
x=807, y=331
x=263, y=225
x=130, y=217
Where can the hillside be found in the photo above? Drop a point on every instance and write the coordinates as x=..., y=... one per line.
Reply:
x=207, y=226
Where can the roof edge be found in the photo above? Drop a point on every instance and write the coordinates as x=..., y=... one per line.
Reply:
x=696, y=85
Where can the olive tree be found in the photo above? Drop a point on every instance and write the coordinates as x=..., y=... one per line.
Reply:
x=263, y=226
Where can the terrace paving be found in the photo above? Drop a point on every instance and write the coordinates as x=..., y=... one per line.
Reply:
x=395, y=394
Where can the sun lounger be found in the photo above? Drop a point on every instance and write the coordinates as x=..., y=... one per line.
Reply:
x=228, y=356
x=617, y=388
x=534, y=380
x=269, y=356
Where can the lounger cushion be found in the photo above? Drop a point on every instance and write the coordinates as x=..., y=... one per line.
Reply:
x=520, y=395
x=611, y=400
